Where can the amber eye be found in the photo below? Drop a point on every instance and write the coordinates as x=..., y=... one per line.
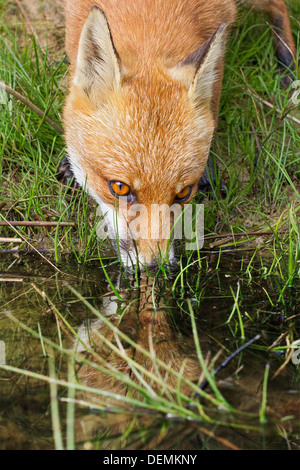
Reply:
x=184, y=193
x=118, y=188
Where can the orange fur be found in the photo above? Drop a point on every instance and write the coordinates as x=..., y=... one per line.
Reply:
x=142, y=107
x=143, y=29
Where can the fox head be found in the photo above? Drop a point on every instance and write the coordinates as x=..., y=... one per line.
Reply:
x=139, y=137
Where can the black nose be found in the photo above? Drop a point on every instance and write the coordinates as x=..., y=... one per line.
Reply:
x=153, y=265
x=172, y=265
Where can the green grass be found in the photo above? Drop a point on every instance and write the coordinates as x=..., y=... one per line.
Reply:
x=257, y=147
x=258, y=158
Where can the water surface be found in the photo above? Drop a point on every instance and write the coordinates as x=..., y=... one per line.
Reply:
x=153, y=316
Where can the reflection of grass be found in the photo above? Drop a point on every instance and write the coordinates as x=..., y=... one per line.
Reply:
x=152, y=392
x=158, y=392
x=149, y=394
x=160, y=406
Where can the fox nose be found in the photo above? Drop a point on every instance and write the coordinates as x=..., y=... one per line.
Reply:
x=153, y=254
x=150, y=252
x=145, y=257
x=150, y=263
x=153, y=265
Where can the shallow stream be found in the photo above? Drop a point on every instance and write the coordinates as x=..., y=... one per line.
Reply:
x=153, y=315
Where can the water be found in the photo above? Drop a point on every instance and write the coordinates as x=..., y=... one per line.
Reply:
x=155, y=317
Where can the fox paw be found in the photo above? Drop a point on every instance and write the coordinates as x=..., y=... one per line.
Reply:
x=65, y=173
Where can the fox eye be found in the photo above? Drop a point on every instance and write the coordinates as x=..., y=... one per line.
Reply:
x=118, y=188
x=184, y=194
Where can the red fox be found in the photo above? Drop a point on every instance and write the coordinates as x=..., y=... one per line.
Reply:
x=142, y=108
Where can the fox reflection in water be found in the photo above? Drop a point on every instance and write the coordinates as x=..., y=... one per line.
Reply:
x=155, y=324
x=151, y=319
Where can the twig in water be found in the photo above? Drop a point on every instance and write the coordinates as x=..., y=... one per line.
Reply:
x=280, y=369
x=224, y=364
x=276, y=342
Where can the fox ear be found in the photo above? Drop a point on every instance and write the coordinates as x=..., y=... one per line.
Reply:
x=199, y=70
x=98, y=67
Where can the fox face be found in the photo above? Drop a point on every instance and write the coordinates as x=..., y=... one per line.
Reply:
x=139, y=137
